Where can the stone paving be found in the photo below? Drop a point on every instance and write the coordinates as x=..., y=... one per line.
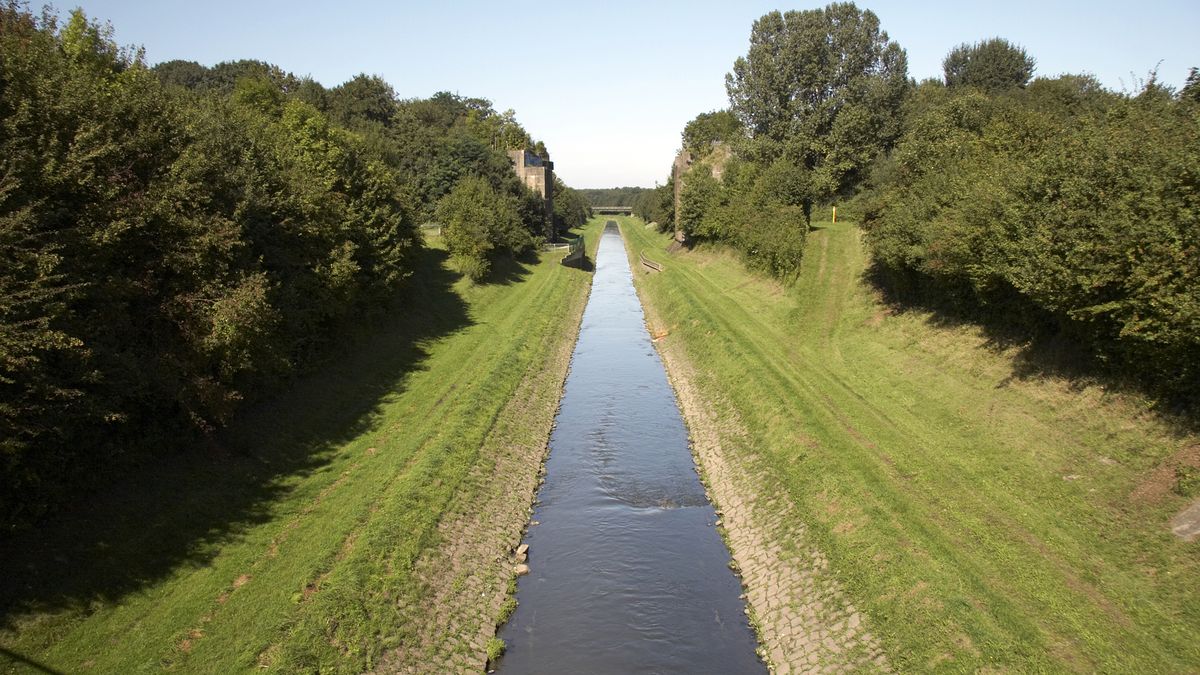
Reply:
x=804, y=621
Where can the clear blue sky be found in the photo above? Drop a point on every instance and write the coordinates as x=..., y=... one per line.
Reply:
x=609, y=85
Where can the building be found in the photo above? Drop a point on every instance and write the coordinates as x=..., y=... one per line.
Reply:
x=538, y=175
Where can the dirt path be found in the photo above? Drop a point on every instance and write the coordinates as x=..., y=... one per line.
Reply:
x=804, y=621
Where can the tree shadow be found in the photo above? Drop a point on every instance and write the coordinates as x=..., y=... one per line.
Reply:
x=180, y=509
x=508, y=269
x=1041, y=344
x=584, y=263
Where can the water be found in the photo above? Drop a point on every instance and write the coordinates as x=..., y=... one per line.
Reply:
x=628, y=572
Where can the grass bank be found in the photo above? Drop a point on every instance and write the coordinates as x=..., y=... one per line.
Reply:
x=297, y=542
x=978, y=512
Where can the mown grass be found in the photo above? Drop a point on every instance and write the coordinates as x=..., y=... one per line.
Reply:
x=981, y=514
x=290, y=544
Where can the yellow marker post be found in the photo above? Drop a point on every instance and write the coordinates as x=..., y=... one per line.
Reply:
x=835, y=214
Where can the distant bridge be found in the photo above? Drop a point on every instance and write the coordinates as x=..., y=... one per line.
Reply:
x=612, y=210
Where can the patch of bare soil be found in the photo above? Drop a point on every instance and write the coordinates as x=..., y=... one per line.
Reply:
x=466, y=577
x=1162, y=478
x=804, y=621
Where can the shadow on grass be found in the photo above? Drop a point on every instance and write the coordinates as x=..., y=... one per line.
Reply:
x=180, y=510
x=584, y=263
x=1044, y=346
x=507, y=269
x=27, y=664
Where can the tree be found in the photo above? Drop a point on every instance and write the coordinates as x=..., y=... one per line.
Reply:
x=364, y=99
x=571, y=210
x=186, y=74
x=992, y=65
x=822, y=87
x=477, y=219
x=719, y=126
x=1191, y=87
x=657, y=205
x=701, y=194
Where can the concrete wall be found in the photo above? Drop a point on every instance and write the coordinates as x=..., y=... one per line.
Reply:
x=538, y=175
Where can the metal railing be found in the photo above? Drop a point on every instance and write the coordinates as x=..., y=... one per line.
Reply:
x=575, y=251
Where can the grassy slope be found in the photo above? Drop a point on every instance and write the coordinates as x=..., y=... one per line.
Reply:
x=976, y=516
x=335, y=490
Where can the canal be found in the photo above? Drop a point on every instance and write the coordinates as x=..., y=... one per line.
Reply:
x=628, y=573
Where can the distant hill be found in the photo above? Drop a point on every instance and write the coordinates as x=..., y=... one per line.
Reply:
x=620, y=196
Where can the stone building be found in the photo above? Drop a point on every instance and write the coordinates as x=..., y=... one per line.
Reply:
x=538, y=175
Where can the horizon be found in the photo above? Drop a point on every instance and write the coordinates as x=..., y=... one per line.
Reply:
x=624, y=78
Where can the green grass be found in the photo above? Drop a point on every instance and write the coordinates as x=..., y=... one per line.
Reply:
x=290, y=544
x=981, y=515
x=495, y=649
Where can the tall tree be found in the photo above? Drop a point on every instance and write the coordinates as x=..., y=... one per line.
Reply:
x=992, y=65
x=364, y=99
x=822, y=88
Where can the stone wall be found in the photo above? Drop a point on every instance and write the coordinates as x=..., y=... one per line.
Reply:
x=538, y=175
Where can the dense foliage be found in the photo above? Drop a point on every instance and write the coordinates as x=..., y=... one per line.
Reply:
x=657, y=205
x=475, y=219
x=177, y=239
x=753, y=208
x=618, y=196
x=1063, y=208
x=991, y=65
x=571, y=208
x=707, y=129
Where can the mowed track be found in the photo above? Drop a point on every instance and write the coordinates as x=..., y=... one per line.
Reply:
x=321, y=574
x=977, y=516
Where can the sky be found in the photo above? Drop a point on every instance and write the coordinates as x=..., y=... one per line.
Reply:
x=608, y=86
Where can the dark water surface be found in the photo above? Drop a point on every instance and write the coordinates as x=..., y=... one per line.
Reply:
x=628, y=572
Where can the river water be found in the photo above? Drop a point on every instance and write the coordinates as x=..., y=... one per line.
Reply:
x=628, y=573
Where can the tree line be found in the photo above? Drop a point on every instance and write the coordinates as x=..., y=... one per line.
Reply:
x=176, y=239
x=1049, y=204
x=618, y=196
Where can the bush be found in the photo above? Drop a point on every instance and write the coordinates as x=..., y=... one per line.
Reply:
x=1061, y=208
x=476, y=220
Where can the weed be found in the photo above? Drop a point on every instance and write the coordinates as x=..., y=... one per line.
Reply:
x=495, y=649
x=506, y=609
x=1187, y=481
